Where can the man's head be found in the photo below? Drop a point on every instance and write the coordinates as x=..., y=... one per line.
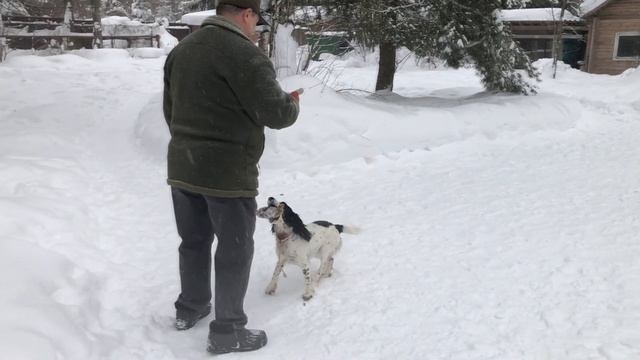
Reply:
x=245, y=13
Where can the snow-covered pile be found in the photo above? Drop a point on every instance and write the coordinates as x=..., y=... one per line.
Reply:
x=495, y=226
x=122, y=26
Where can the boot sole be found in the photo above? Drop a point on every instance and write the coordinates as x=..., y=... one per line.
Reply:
x=220, y=351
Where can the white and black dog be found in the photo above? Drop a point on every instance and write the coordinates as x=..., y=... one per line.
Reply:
x=297, y=243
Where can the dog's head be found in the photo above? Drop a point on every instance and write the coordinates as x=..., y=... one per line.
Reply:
x=273, y=211
x=276, y=210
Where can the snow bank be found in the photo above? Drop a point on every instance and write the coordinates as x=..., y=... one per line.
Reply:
x=337, y=127
x=151, y=132
x=148, y=53
x=545, y=66
x=25, y=61
x=285, y=52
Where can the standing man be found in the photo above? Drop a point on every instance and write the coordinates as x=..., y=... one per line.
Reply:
x=220, y=91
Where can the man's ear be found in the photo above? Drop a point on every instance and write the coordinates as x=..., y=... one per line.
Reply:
x=246, y=14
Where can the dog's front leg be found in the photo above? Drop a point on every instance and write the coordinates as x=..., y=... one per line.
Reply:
x=273, y=285
x=308, y=284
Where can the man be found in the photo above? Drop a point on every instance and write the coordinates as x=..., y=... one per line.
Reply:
x=220, y=92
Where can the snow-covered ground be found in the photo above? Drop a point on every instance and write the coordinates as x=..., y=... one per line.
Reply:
x=495, y=226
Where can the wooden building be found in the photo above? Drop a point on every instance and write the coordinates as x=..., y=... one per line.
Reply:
x=534, y=30
x=613, y=45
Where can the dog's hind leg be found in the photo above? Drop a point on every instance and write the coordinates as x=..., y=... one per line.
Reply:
x=273, y=285
x=326, y=267
x=308, y=284
x=326, y=264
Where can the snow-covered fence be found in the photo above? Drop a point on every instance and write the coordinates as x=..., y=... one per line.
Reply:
x=42, y=33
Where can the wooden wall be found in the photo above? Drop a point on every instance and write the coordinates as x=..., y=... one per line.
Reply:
x=620, y=9
x=617, y=16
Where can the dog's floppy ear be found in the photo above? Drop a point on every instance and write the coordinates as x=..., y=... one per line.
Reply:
x=293, y=220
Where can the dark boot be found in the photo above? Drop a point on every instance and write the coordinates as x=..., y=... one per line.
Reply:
x=186, y=319
x=238, y=340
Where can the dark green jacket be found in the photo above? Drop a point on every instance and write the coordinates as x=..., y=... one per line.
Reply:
x=220, y=91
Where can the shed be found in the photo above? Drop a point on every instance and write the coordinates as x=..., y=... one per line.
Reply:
x=534, y=30
x=614, y=35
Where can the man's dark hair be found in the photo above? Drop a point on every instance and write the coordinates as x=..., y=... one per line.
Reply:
x=223, y=9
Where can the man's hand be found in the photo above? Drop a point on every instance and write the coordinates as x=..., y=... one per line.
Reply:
x=296, y=94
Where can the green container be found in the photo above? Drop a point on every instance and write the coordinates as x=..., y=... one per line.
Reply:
x=332, y=44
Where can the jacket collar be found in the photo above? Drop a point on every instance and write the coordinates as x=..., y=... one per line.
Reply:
x=224, y=23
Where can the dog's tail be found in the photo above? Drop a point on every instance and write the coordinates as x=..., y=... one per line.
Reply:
x=354, y=230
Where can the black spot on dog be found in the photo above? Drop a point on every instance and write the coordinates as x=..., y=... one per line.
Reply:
x=324, y=223
x=293, y=220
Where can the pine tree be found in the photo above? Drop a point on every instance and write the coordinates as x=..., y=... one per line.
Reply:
x=141, y=10
x=13, y=7
x=114, y=8
x=458, y=31
x=515, y=4
x=169, y=9
x=188, y=6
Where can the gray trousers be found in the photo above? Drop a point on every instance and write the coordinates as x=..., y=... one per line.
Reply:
x=232, y=221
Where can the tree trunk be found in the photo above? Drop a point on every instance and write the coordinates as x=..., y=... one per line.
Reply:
x=557, y=37
x=2, y=42
x=97, y=23
x=386, y=67
x=263, y=42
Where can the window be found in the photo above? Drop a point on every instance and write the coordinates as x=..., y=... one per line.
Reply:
x=627, y=46
x=536, y=48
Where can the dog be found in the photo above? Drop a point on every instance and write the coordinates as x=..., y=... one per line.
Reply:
x=297, y=243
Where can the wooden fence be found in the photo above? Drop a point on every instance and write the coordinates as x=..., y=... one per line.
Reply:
x=80, y=33
x=36, y=39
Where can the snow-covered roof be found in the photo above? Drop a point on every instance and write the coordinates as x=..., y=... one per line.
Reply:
x=540, y=14
x=590, y=5
x=196, y=18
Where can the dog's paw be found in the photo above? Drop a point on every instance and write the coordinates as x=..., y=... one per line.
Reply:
x=270, y=290
x=307, y=297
